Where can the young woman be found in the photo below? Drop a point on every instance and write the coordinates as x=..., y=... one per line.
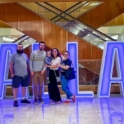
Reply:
x=66, y=64
x=53, y=89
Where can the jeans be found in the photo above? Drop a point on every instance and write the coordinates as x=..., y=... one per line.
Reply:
x=65, y=87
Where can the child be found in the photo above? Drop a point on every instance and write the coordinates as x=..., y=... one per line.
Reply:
x=48, y=62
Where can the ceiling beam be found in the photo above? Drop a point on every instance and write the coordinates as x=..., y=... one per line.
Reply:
x=5, y=1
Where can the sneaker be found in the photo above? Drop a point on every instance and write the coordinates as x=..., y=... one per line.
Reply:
x=41, y=100
x=67, y=101
x=58, y=102
x=74, y=98
x=35, y=101
x=25, y=101
x=15, y=104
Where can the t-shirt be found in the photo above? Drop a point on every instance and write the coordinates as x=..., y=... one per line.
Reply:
x=67, y=62
x=37, y=60
x=55, y=61
x=20, y=64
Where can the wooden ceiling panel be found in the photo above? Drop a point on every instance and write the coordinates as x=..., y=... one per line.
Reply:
x=8, y=1
x=103, y=13
x=4, y=25
x=117, y=21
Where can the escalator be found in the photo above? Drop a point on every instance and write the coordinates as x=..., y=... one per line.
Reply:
x=69, y=23
x=25, y=40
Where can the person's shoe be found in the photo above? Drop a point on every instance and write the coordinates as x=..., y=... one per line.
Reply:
x=41, y=100
x=58, y=102
x=74, y=98
x=67, y=101
x=35, y=101
x=15, y=104
x=51, y=102
x=25, y=101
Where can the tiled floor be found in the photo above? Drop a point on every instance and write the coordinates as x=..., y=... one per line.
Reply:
x=84, y=111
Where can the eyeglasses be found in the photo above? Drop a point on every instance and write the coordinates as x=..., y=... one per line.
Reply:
x=65, y=54
x=20, y=47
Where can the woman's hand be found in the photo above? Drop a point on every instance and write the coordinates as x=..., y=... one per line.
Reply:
x=58, y=65
x=45, y=65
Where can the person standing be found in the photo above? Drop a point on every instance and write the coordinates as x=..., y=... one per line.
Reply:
x=37, y=69
x=19, y=74
x=53, y=89
x=65, y=65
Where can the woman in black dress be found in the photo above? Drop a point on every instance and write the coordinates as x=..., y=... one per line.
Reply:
x=53, y=89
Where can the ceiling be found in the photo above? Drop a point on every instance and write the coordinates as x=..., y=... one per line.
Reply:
x=6, y=1
x=3, y=25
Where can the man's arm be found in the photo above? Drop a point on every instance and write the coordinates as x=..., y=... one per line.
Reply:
x=44, y=68
x=11, y=69
x=31, y=62
x=11, y=66
x=28, y=69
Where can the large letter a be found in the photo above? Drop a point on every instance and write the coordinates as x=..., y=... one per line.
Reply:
x=113, y=51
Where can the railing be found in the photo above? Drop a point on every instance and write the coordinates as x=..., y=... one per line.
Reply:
x=25, y=40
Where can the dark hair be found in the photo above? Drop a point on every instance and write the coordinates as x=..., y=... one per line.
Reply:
x=19, y=44
x=41, y=42
x=67, y=52
x=58, y=53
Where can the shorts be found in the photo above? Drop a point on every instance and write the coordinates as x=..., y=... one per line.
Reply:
x=18, y=80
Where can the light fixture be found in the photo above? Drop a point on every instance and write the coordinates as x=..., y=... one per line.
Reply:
x=8, y=39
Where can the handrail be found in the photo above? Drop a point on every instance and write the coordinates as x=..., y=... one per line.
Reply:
x=76, y=8
x=66, y=10
x=25, y=39
x=19, y=38
x=49, y=10
x=80, y=22
x=90, y=9
x=92, y=80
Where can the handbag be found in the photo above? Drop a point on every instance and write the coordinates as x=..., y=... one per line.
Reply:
x=58, y=79
x=70, y=73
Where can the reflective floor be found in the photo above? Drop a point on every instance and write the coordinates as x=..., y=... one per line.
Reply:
x=84, y=111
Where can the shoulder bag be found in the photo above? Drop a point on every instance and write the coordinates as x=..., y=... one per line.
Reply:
x=70, y=73
x=58, y=79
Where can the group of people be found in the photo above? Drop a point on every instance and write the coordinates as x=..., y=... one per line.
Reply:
x=40, y=61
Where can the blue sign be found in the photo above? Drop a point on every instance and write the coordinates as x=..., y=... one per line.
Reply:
x=113, y=51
